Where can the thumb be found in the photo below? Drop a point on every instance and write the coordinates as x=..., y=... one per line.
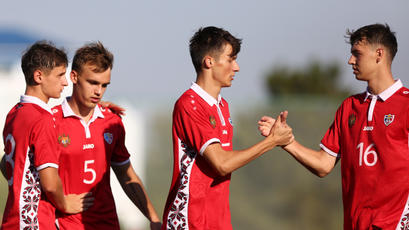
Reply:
x=278, y=120
x=283, y=116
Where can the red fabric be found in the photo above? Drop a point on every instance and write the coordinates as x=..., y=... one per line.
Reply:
x=85, y=167
x=30, y=142
x=198, y=197
x=374, y=159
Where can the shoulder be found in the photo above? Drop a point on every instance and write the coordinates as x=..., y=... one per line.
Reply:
x=109, y=114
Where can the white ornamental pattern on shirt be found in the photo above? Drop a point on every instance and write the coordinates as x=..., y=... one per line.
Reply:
x=30, y=195
x=177, y=218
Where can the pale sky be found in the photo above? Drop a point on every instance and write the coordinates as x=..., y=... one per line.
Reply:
x=150, y=38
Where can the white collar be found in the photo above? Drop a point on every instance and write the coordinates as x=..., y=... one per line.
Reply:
x=67, y=111
x=203, y=94
x=387, y=93
x=35, y=100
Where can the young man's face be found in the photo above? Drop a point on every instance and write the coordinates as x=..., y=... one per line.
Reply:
x=225, y=67
x=54, y=82
x=363, y=60
x=89, y=86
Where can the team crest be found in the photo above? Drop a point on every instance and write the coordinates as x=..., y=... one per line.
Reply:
x=388, y=119
x=108, y=137
x=351, y=120
x=64, y=140
x=212, y=120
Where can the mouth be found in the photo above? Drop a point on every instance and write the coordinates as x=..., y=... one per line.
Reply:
x=95, y=100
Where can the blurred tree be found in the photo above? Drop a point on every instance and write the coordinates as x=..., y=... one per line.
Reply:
x=315, y=79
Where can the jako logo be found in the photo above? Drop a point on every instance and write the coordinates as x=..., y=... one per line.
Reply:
x=88, y=146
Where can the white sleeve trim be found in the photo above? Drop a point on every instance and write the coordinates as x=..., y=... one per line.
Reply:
x=120, y=163
x=46, y=165
x=204, y=146
x=329, y=151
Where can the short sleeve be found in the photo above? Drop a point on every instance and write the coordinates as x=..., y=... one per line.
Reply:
x=44, y=141
x=193, y=124
x=330, y=143
x=120, y=154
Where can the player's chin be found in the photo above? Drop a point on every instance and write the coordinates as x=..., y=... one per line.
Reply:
x=55, y=95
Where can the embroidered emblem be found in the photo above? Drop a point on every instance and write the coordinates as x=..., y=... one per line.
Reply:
x=212, y=120
x=64, y=140
x=108, y=137
x=388, y=119
x=177, y=217
x=230, y=121
x=351, y=120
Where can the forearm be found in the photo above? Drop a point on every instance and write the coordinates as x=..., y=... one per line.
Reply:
x=318, y=162
x=134, y=189
x=3, y=166
x=226, y=162
x=52, y=187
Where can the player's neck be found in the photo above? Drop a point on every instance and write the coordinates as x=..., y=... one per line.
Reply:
x=36, y=92
x=379, y=84
x=80, y=110
x=209, y=86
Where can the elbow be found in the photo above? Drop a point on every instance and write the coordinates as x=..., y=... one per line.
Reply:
x=49, y=189
x=223, y=170
x=323, y=172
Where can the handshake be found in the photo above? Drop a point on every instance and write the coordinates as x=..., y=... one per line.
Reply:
x=276, y=131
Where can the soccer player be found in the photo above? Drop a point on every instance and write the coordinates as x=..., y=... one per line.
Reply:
x=202, y=138
x=31, y=156
x=370, y=136
x=92, y=141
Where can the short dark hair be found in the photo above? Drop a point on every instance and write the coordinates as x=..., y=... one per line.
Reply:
x=375, y=34
x=44, y=56
x=94, y=54
x=211, y=40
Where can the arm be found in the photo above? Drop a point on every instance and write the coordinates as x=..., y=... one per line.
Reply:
x=134, y=189
x=52, y=187
x=225, y=162
x=3, y=166
x=318, y=162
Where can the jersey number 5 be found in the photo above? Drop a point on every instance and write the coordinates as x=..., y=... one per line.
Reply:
x=88, y=169
x=363, y=155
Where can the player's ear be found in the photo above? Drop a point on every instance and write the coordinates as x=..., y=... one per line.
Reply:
x=74, y=76
x=380, y=54
x=38, y=76
x=208, y=62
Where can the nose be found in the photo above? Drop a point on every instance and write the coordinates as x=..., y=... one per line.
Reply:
x=98, y=90
x=64, y=81
x=236, y=67
x=351, y=60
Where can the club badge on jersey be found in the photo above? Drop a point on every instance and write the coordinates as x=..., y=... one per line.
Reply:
x=388, y=119
x=212, y=120
x=351, y=120
x=64, y=140
x=108, y=137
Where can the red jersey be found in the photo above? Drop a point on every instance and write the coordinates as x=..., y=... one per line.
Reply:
x=87, y=152
x=29, y=137
x=198, y=196
x=370, y=135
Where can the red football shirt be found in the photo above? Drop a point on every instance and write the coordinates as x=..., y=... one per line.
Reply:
x=29, y=137
x=198, y=196
x=370, y=135
x=87, y=152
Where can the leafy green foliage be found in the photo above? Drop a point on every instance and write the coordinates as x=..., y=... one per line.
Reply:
x=316, y=79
